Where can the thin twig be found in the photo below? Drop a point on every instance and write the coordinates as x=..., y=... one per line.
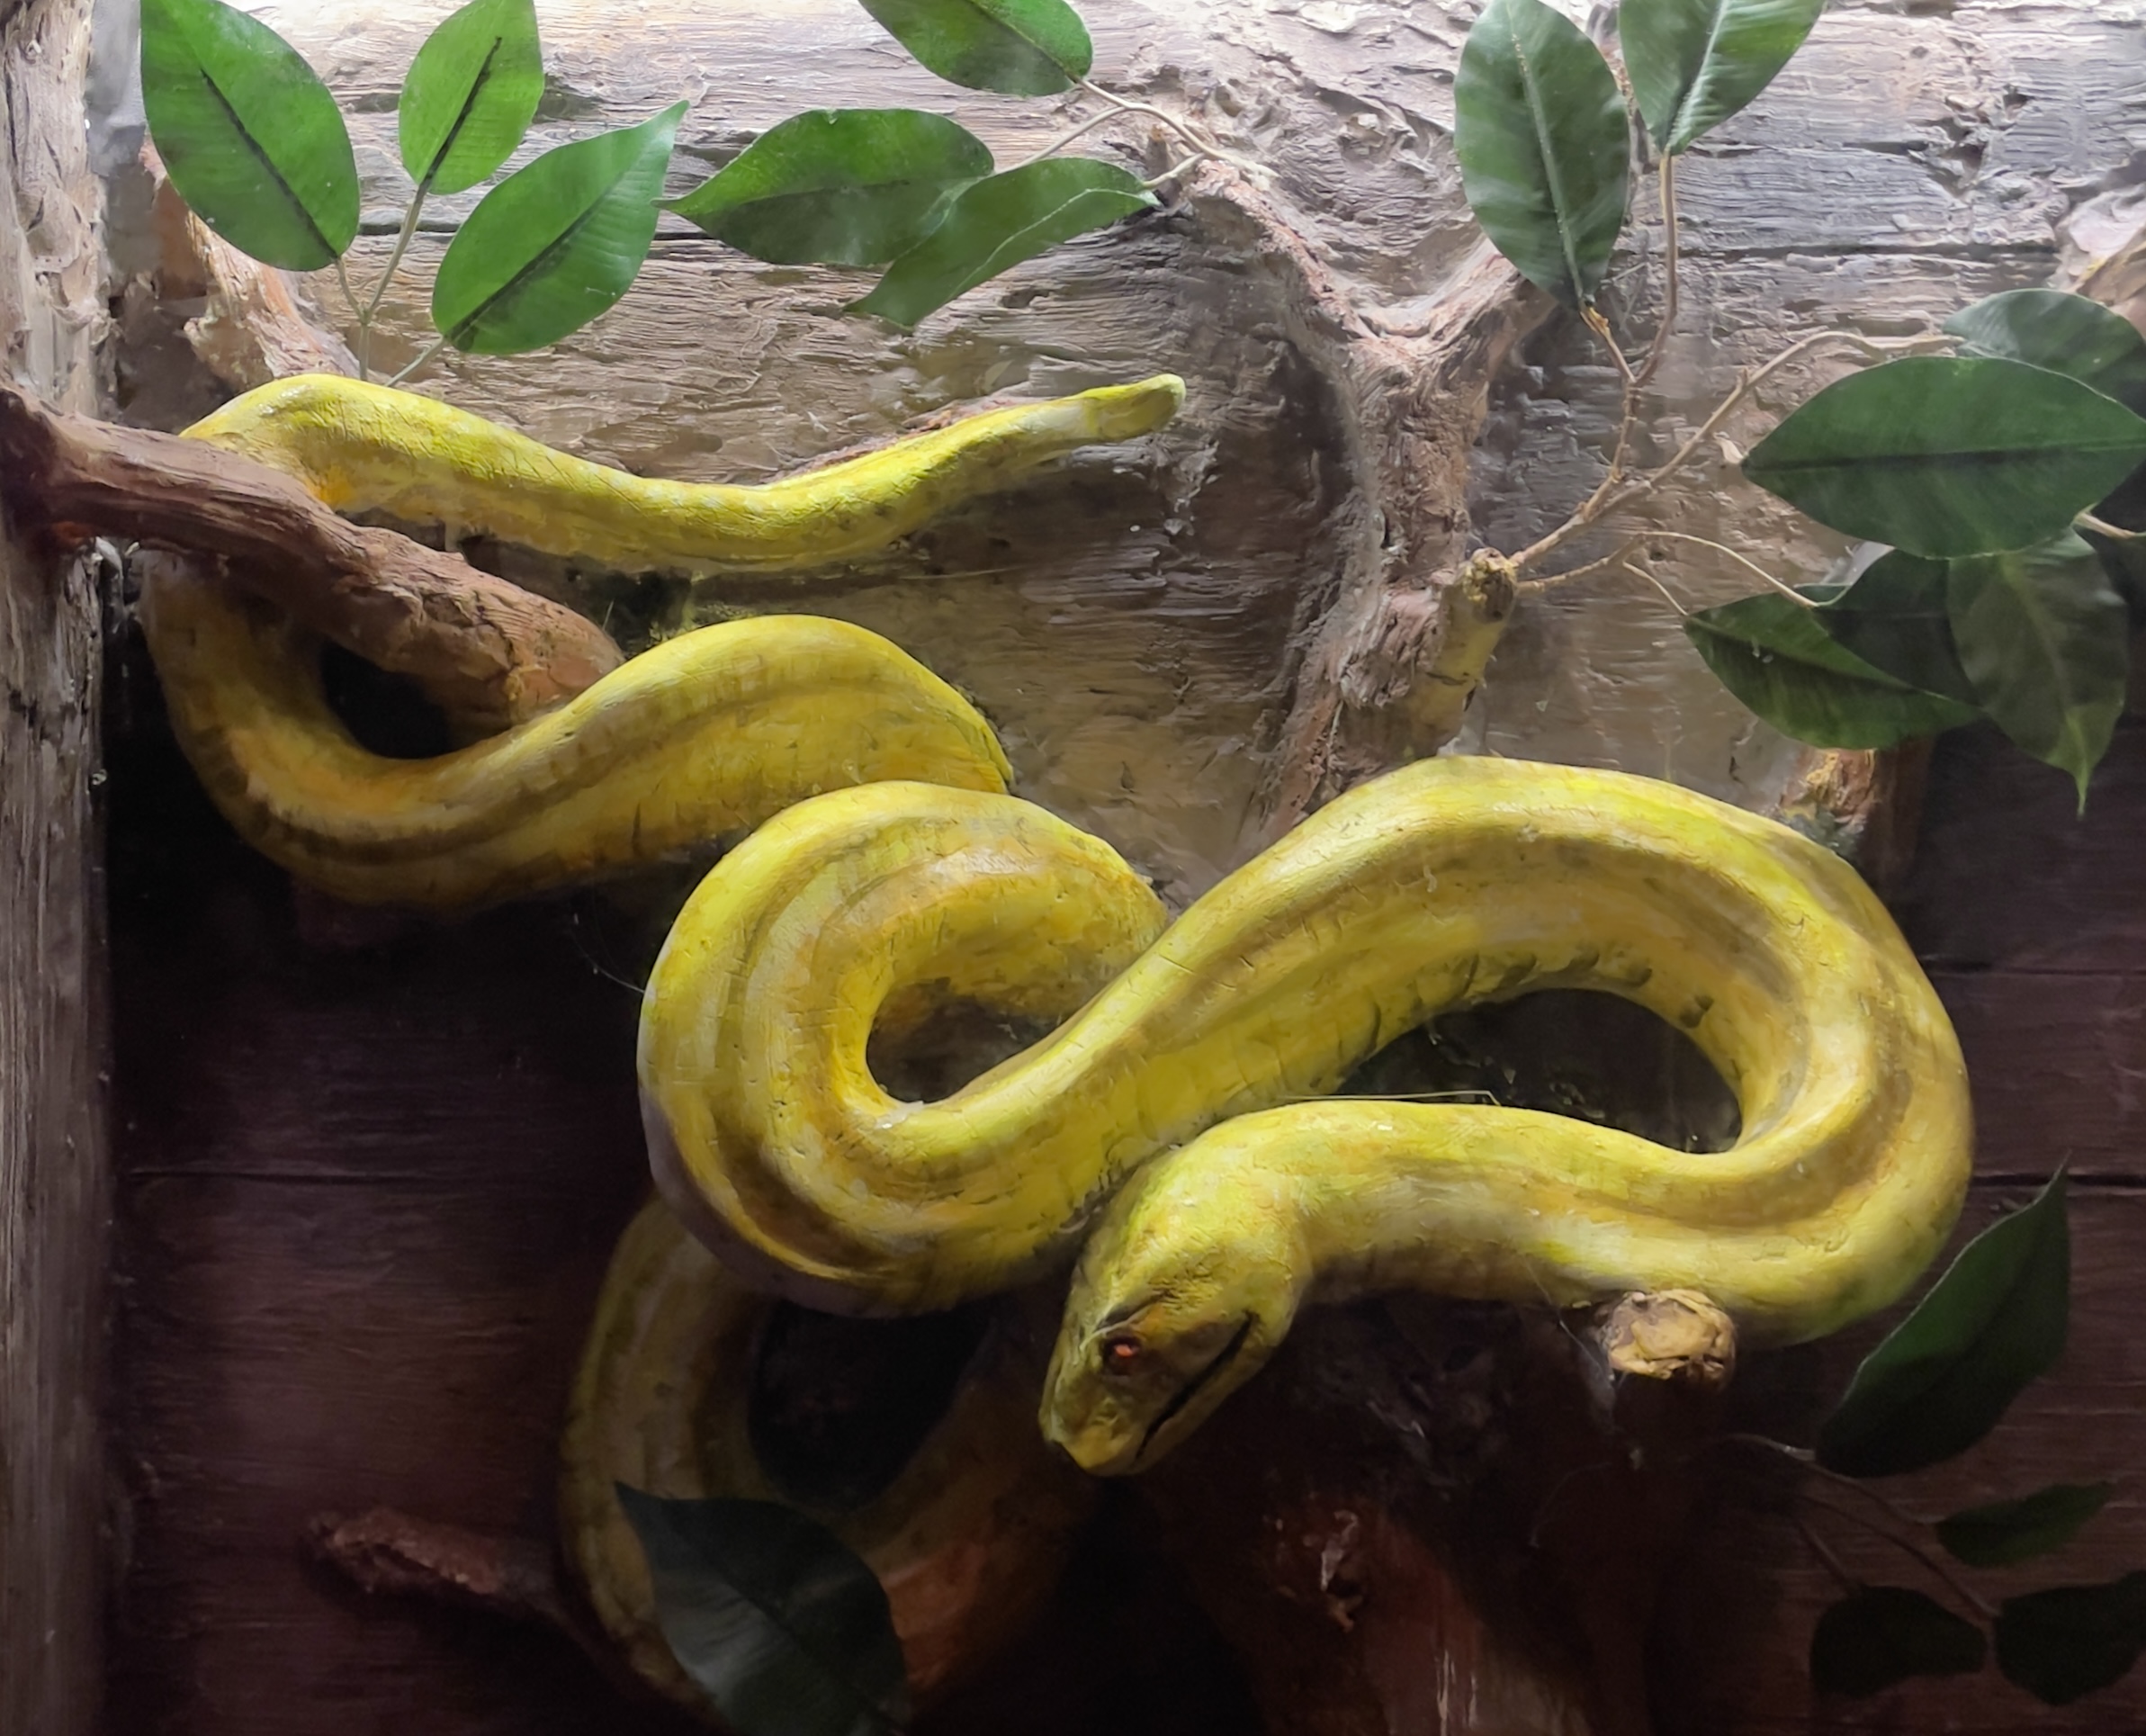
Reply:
x=1198, y=137
x=1662, y=331
x=1552, y=580
x=1595, y=321
x=350, y=295
x=1175, y=169
x=1060, y=143
x=380, y=289
x=437, y=346
x=2101, y=527
x=1934, y=1564
x=1668, y=596
x=1610, y=498
x=1847, y=1580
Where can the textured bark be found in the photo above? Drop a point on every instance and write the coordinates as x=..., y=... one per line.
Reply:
x=487, y=653
x=54, y=1188
x=369, y=1224
x=1408, y=399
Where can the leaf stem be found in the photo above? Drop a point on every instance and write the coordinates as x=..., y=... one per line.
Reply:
x=433, y=349
x=2101, y=527
x=380, y=289
x=1063, y=140
x=350, y=295
x=1936, y=1566
x=1669, y=241
x=1201, y=141
x=1668, y=596
x=1615, y=493
x=1845, y=1580
x=1551, y=581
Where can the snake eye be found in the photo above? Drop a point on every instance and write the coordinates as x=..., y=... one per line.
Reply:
x=1122, y=1354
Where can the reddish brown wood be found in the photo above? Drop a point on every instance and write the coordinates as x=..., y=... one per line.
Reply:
x=369, y=1190
x=487, y=652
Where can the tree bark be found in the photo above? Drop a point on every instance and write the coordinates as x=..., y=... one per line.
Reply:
x=54, y=1189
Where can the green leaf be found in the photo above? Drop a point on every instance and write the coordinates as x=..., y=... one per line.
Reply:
x=1544, y=144
x=2005, y=1531
x=470, y=94
x=837, y=186
x=1895, y=617
x=556, y=243
x=1879, y=1636
x=250, y=138
x=2066, y=334
x=1941, y=1379
x=2046, y=641
x=2065, y=1642
x=1944, y=456
x=1018, y=48
x=1776, y=657
x=1694, y=63
x=787, y=1632
x=997, y=223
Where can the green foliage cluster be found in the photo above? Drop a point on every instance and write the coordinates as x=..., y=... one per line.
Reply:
x=256, y=145
x=1938, y=1384
x=2006, y=595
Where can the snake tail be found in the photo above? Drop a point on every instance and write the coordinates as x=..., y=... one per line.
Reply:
x=362, y=447
x=700, y=738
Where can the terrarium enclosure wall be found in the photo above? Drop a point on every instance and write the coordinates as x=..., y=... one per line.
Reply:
x=363, y=1173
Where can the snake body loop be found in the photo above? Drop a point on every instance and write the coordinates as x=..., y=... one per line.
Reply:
x=1449, y=883
x=706, y=735
x=701, y=738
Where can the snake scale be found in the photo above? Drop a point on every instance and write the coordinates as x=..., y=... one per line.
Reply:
x=1166, y=1129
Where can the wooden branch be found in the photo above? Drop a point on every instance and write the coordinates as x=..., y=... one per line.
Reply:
x=390, y=1554
x=1404, y=632
x=487, y=652
x=1669, y=1335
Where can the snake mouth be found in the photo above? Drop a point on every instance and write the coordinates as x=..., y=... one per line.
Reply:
x=1192, y=1389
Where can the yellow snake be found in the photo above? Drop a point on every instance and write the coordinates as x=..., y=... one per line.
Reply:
x=702, y=737
x=362, y=447
x=1164, y=1119
x=1452, y=882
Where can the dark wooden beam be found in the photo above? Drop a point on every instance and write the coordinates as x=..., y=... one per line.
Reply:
x=55, y=1191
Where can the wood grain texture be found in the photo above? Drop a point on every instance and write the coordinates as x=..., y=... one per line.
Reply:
x=490, y=654
x=368, y=1191
x=54, y=1187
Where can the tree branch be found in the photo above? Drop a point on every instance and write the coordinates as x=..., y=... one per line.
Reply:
x=487, y=652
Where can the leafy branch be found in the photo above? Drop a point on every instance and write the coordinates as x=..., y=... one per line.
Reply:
x=254, y=143
x=1982, y=451
x=1937, y=1385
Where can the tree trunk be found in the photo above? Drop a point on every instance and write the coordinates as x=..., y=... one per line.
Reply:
x=54, y=1191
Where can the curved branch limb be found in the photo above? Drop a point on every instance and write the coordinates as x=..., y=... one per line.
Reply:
x=487, y=653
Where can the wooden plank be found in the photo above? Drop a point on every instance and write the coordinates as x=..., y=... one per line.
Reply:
x=2011, y=874
x=54, y=1196
x=2057, y=1063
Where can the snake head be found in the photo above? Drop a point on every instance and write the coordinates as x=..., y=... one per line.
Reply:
x=1183, y=1291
